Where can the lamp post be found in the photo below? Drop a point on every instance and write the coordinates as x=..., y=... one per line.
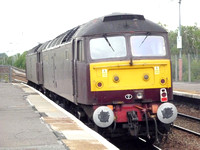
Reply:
x=179, y=44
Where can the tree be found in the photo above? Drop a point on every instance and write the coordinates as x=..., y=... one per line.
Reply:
x=3, y=58
x=20, y=61
x=172, y=42
x=190, y=40
x=191, y=45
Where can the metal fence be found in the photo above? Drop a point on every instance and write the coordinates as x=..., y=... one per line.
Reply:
x=190, y=68
x=5, y=74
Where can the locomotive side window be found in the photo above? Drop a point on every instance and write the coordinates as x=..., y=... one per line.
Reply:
x=144, y=45
x=80, y=52
x=108, y=47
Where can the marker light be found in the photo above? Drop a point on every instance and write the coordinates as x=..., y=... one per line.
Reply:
x=99, y=84
x=162, y=81
x=163, y=95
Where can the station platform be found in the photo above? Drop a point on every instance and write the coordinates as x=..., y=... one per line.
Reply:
x=186, y=89
x=30, y=121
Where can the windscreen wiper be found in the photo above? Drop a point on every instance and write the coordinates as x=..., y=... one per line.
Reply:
x=148, y=33
x=108, y=42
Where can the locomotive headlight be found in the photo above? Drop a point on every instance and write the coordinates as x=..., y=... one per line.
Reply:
x=146, y=77
x=139, y=95
x=116, y=78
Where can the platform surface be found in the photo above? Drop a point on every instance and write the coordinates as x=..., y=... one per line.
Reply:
x=20, y=126
x=30, y=121
x=187, y=89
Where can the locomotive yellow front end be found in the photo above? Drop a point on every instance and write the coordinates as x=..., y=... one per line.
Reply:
x=120, y=75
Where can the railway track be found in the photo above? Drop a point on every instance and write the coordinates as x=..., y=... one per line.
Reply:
x=194, y=120
x=186, y=130
x=12, y=74
x=189, y=117
x=133, y=143
x=152, y=146
x=18, y=75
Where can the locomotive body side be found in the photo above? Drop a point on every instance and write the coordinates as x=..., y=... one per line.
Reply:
x=31, y=65
x=31, y=71
x=57, y=69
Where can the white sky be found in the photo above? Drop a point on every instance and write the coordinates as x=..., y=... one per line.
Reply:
x=24, y=23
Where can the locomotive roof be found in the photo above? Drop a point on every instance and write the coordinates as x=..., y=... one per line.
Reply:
x=114, y=23
x=118, y=23
x=34, y=49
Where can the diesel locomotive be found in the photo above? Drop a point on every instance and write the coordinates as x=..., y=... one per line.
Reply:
x=114, y=70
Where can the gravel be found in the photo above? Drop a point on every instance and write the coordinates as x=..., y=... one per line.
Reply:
x=178, y=139
x=188, y=109
x=181, y=140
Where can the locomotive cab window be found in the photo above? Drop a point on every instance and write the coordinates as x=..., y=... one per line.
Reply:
x=80, y=52
x=147, y=45
x=108, y=47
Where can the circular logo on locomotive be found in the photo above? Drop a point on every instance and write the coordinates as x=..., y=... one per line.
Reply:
x=128, y=96
x=167, y=113
x=103, y=116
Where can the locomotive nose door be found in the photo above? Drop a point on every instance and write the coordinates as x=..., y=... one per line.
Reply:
x=74, y=68
x=39, y=66
x=78, y=57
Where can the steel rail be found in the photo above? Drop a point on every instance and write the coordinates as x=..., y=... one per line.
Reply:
x=20, y=70
x=186, y=130
x=188, y=116
x=154, y=146
x=19, y=75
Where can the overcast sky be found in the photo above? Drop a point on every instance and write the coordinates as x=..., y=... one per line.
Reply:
x=24, y=23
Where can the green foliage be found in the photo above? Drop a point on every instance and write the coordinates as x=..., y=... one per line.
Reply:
x=21, y=61
x=172, y=42
x=18, y=60
x=3, y=58
x=185, y=67
x=190, y=40
x=194, y=67
x=2, y=55
x=190, y=45
x=195, y=73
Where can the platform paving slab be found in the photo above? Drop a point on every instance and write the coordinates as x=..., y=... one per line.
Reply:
x=186, y=89
x=20, y=125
